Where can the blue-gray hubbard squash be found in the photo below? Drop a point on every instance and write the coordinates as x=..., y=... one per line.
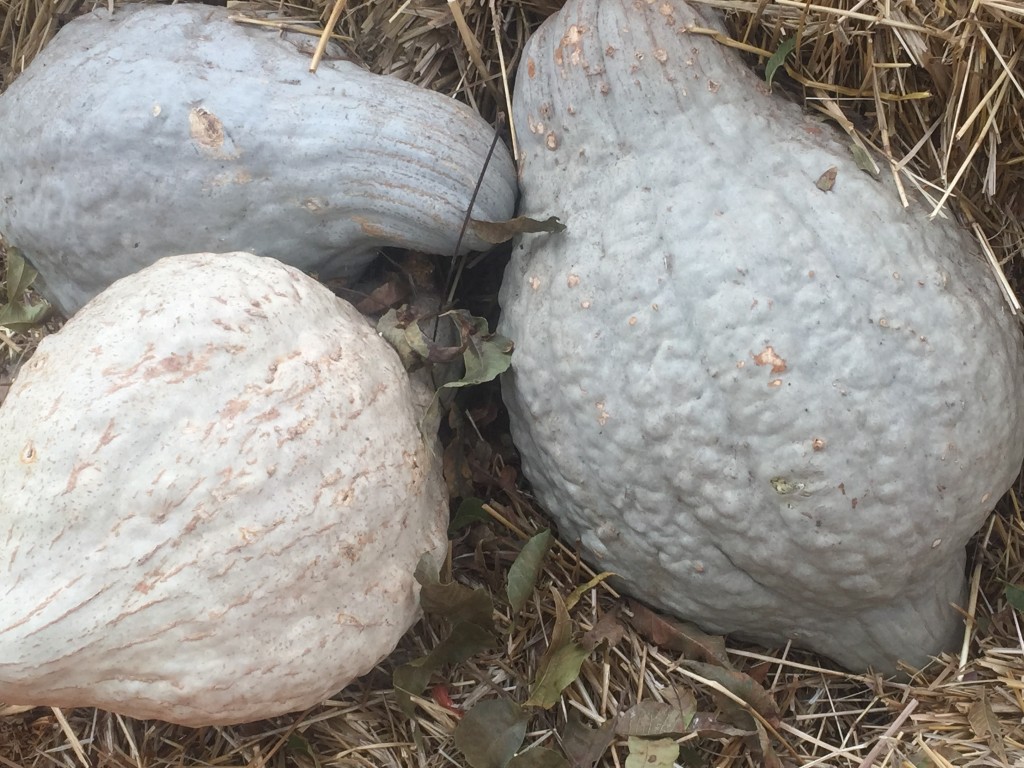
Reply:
x=173, y=129
x=776, y=406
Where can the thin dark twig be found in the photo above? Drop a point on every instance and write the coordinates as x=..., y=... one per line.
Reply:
x=454, y=270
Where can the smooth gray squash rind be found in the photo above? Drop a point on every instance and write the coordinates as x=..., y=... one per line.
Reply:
x=170, y=129
x=778, y=411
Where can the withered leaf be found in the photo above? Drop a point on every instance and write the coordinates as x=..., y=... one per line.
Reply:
x=651, y=753
x=986, y=725
x=762, y=746
x=741, y=685
x=706, y=724
x=495, y=232
x=608, y=629
x=582, y=589
x=827, y=180
x=385, y=295
x=656, y=718
x=680, y=636
x=584, y=745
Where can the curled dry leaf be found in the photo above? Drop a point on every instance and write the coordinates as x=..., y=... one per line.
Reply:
x=495, y=232
x=827, y=180
x=582, y=589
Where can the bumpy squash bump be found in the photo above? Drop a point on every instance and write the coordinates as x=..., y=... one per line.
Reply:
x=774, y=409
x=172, y=129
x=215, y=494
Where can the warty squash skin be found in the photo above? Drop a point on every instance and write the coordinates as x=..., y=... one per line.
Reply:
x=772, y=409
x=215, y=494
x=172, y=129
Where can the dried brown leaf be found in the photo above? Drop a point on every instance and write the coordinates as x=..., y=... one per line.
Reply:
x=827, y=180
x=608, y=629
x=742, y=686
x=986, y=725
x=680, y=636
x=495, y=232
x=583, y=745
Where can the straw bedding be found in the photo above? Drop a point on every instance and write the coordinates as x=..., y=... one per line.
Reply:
x=934, y=91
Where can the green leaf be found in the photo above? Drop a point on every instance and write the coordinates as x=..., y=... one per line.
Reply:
x=582, y=589
x=470, y=511
x=538, y=757
x=778, y=59
x=392, y=329
x=491, y=733
x=522, y=576
x=471, y=613
x=298, y=743
x=17, y=314
x=651, y=753
x=562, y=668
x=495, y=232
x=561, y=662
x=20, y=317
x=487, y=355
x=1015, y=596
x=864, y=161
x=427, y=570
x=462, y=642
x=19, y=275
x=585, y=745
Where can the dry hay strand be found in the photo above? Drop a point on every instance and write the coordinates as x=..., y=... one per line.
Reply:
x=948, y=716
x=934, y=90
x=462, y=49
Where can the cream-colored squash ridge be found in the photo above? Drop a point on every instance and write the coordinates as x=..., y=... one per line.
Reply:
x=215, y=493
